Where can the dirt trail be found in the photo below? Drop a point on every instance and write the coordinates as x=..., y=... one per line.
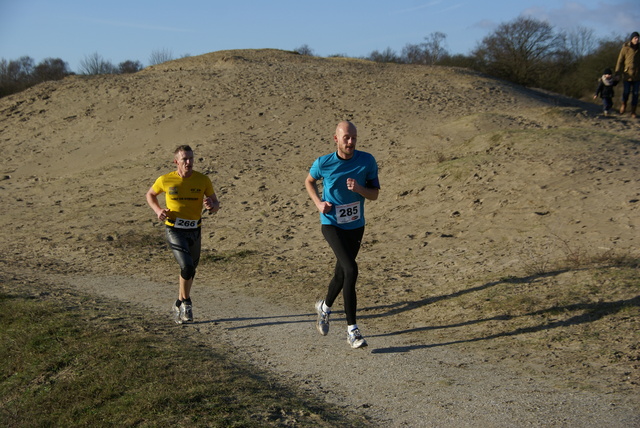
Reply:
x=395, y=381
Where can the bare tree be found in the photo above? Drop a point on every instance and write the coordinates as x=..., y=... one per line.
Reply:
x=388, y=55
x=580, y=42
x=429, y=53
x=16, y=75
x=129, y=66
x=159, y=56
x=519, y=50
x=19, y=70
x=94, y=64
x=51, y=69
x=435, y=47
x=413, y=54
x=304, y=50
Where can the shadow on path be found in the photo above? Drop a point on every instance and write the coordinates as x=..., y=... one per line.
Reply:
x=591, y=312
x=400, y=307
x=267, y=320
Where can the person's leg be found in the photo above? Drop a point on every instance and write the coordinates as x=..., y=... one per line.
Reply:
x=336, y=284
x=635, y=89
x=626, y=90
x=345, y=245
x=184, y=292
x=185, y=245
x=195, y=244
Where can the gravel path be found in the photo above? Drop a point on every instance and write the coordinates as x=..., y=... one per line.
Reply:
x=395, y=381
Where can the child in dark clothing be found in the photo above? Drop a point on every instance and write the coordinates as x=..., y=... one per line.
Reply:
x=605, y=90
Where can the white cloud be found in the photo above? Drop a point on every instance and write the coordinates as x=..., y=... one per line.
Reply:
x=621, y=17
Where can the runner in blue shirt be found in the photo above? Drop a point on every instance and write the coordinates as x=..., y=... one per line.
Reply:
x=349, y=176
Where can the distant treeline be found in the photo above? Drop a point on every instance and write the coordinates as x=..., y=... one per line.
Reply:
x=524, y=51
x=20, y=74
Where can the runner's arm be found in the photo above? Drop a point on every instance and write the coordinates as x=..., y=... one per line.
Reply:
x=212, y=203
x=312, y=189
x=370, y=193
x=152, y=200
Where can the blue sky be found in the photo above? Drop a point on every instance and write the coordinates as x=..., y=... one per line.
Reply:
x=132, y=29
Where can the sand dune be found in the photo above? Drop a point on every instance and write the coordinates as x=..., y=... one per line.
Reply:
x=486, y=188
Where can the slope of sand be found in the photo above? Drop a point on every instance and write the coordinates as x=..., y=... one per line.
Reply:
x=499, y=207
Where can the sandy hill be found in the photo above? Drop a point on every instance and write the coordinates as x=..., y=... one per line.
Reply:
x=497, y=202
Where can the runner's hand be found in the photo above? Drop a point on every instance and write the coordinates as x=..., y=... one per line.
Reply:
x=163, y=215
x=211, y=205
x=324, y=207
x=352, y=184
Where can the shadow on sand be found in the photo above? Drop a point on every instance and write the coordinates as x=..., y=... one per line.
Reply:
x=589, y=312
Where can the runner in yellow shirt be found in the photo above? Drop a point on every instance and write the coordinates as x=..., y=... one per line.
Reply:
x=187, y=191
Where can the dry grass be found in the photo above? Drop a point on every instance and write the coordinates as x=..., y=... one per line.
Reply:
x=70, y=360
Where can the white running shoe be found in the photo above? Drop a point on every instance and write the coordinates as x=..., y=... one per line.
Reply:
x=355, y=339
x=177, y=312
x=323, y=318
x=186, y=312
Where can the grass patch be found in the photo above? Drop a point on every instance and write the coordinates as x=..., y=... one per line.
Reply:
x=71, y=361
x=561, y=254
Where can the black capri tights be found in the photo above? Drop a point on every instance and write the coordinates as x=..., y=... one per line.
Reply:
x=185, y=245
x=345, y=245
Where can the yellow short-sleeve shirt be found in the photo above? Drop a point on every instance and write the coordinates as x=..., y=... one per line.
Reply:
x=184, y=196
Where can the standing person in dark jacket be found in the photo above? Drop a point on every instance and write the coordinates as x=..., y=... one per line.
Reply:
x=628, y=69
x=605, y=90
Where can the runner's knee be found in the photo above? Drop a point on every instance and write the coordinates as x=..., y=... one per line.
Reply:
x=188, y=272
x=350, y=270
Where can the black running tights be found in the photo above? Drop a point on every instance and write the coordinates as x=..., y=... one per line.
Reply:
x=345, y=245
x=185, y=245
